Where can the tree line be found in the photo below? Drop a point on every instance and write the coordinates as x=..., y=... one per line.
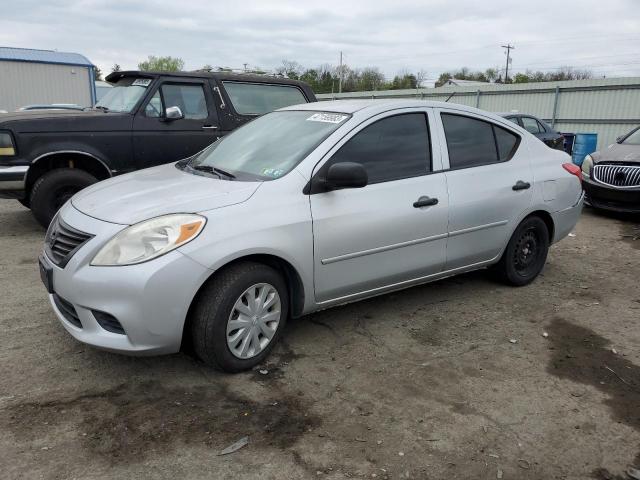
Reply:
x=328, y=78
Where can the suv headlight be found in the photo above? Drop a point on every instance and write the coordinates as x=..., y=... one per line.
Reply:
x=586, y=165
x=7, y=149
x=149, y=239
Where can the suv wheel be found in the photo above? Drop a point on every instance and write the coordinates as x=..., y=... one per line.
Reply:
x=239, y=316
x=526, y=253
x=54, y=188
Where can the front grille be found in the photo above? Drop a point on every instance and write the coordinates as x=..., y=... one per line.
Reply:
x=617, y=175
x=67, y=310
x=62, y=241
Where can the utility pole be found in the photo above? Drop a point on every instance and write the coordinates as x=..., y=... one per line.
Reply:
x=509, y=47
x=340, y=80
x=245, y=66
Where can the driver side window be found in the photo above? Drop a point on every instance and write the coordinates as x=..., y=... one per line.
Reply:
x=154, y=107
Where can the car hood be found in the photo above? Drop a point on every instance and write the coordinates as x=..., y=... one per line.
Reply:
x=619, y=152
x=37, y=121
x=149, y=193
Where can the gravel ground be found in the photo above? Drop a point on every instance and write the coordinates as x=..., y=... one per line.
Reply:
x=449, y=380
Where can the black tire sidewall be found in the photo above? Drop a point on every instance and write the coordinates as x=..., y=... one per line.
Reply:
x=45, y=190
x=216, y=314
x=508, y=265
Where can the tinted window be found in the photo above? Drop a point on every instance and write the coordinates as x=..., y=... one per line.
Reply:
x=470, y=142
x=513, y=119
x=531, y=124
x=154, y=107
x=257, y=98
x=507, y=143
x=390, y=149
x=190, y=99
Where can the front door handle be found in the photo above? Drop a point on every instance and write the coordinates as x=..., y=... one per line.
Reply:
x=210, y=127
x=425, y=202
x=520, y=185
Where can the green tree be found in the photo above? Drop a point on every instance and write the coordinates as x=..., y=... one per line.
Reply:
x=97, y=73
x=115, y=68
x=162, y=64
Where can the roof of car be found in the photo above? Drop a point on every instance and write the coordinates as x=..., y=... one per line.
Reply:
x=241, y=77
x=352, y=106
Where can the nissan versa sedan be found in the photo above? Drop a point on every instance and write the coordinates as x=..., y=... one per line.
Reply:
x=302, y=209
x=612, y=176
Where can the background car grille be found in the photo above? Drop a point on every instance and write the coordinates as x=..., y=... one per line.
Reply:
x=67, y=310
x=62, y=241
x=617, y=175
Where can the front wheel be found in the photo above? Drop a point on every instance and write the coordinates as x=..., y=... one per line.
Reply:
x=53, y=189
x=526, y=253
x=239, y=316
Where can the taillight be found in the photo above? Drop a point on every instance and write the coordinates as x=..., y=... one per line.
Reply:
x=573, y=169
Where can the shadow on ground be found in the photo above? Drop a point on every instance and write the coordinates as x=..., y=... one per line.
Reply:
x=581, y=355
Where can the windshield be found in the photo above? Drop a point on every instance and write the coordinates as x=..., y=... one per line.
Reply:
x=270, y=146
x=124, y=95
x=633, y=138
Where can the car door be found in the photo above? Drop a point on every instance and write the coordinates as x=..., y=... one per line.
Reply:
x=489, y=180
x=157, y=139
x=394, y=229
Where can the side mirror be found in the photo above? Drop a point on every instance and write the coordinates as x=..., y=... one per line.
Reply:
x=346, y=175
x=173, y=113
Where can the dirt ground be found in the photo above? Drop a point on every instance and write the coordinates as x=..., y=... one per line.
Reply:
x=449, y=380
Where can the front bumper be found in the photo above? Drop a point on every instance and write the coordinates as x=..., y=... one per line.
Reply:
x=604, y=197
x=12, y=180
x=150, y=300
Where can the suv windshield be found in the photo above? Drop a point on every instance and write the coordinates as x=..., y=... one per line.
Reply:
x=269, y=147
x=633, y=138
x=124, y=95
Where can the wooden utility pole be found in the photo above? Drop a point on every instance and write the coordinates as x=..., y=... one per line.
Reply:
x=506, y=70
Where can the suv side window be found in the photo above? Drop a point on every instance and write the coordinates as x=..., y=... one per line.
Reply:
x=190, y=99
x=390, y=149
x=472, y=142
x=531, y=125
x=259, y=98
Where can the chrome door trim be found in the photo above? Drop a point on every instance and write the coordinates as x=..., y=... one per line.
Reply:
x=371, y=251
x=477, y=228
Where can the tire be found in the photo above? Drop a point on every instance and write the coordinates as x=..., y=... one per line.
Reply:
x=24, y=202
x=54, y=188
x=520, y=265
x=216, y=306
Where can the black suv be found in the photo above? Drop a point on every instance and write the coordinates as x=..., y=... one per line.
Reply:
x=146, y=119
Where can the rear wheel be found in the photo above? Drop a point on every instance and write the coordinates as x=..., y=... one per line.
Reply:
x=526, y=253
x=54, y=188
x=239, y=316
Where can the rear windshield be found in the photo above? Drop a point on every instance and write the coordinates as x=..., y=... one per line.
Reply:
x=260, y=98
x=270, y=146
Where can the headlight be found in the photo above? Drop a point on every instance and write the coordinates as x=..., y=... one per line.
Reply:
x=587, y=163
x=149, y=239
x=6, y=145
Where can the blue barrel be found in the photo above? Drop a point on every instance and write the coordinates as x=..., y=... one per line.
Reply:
x=583, y=145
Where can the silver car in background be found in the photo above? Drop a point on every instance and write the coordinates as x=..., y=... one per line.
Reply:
x=302, y=209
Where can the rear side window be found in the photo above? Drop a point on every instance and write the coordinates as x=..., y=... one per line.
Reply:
x=390, y=149
x=259, y=98
x=472, y=142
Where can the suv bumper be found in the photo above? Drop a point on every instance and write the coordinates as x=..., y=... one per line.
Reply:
x=12, y=181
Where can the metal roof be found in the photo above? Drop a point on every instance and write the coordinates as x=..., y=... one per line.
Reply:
x=43, y=56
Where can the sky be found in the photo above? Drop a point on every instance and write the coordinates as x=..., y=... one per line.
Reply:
x=398, y=35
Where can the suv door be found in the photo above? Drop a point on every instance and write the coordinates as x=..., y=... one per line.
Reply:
x=377, y=236
x=489, y=180
x=158, y=140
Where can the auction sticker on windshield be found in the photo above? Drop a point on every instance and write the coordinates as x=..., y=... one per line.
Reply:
x=327, y=117
x=141, y=82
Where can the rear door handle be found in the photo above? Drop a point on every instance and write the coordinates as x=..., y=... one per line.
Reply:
x=520, y=185
x=209, y=127
x=425, y=202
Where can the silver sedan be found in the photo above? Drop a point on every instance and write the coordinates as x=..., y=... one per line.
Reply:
x=302, y=209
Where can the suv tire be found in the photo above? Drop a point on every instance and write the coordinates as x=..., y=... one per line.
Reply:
x=53, y=189
x=526, y=253
x=215, y=307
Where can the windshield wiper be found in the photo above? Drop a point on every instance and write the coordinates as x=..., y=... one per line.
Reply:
x=101, y=107
x=215, y=170
x=226, y=174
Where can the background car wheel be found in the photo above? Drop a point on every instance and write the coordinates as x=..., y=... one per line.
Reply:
x=24, y=202
x=526, y=253
x=239, y=316
x=54, y=188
